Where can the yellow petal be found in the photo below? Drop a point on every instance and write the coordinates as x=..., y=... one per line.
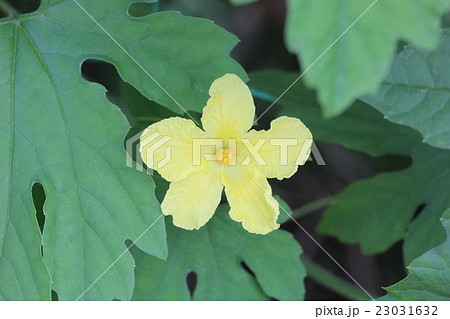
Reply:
x=250, y=198
x=230, y=111
x=166, y=146
x=287, y=144
x=193, y=200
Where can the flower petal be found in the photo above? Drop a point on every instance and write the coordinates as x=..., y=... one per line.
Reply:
x=250, y=198
x=287, y=145
x=172, y=135
x=230, y=111
x=193, y=200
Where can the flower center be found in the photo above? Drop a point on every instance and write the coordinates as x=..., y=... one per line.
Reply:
x=224, y=156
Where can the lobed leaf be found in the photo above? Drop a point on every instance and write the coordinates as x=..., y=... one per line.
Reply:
x=214, y=253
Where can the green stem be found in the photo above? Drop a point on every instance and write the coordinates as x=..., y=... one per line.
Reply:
x=155, y=7
x=327, y=279
x=8, y=9
x=262, y=95
x=313, y=206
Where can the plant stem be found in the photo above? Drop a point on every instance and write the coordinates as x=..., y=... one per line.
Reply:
x=155, y=7
x=313, y=206
x=327, y=279
x=262, y=95
x=7, y=8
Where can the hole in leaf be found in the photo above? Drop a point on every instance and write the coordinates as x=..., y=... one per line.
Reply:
x=23, y=6
x=54, y=296
x=142, y=9
x=247, y=269
x=106, y=74
x=101, y=72
x=38, y=194
x=191, y=280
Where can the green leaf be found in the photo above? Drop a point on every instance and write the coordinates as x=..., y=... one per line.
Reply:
x=375, y=212
x=422, y=77
x=215, y=253
x=429, y=274
x=59, y=130
x=357, y=63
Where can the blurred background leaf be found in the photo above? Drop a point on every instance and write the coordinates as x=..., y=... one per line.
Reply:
x=356, y=64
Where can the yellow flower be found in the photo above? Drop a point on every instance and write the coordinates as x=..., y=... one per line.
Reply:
x=242, y=164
